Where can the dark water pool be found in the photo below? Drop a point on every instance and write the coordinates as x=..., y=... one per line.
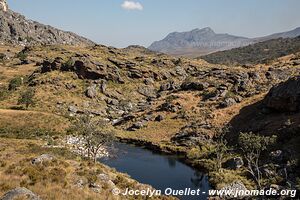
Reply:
x=157, y=170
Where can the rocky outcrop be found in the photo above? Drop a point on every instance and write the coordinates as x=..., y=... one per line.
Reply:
x=20, y=193
x=3, y=5
x=84, y=68
x=284, y=97
x=16, y=29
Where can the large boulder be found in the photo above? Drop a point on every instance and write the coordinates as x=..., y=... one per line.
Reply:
x=284, y=97
x=20, y=193
x=192, y=85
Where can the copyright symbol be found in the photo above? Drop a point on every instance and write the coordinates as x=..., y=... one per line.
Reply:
x=116, y=191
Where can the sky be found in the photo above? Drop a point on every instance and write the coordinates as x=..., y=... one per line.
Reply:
x=121, y=23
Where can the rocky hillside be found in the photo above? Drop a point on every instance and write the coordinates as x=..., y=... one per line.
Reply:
x=171, y=104
x=262, y=52
x=205, y=41
x=16, y=29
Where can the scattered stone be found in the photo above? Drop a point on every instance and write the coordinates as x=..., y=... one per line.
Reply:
x=137, y=125
x=114, y=102
x=70, y=86
x=80, y=183
x=227, y=103
x=147, y=91
x=191, y=85
x=91, y=91
x=95, y=188
x=122, y=120
x=103, y=86
x=72, y=109
x=167, y=86
x=159, y=118
x=42, y=158
x=149, y=81
x=103, y=177
x=169, y=107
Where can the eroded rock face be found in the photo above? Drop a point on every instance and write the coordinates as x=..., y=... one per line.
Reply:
x=285, y=97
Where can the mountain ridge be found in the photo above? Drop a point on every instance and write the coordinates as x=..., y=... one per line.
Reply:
x=204, y=41
x=17, y=29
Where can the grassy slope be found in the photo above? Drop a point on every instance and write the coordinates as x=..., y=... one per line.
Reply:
x=262, y=52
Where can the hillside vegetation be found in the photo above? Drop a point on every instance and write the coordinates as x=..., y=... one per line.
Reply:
x=174, y=105
x=263, y=52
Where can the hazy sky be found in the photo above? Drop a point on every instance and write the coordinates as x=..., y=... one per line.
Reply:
x=121, y=23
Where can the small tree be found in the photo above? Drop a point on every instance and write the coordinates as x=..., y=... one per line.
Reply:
x=252, y=146
x=221, y=147
x=95, y=135
x=26, y=98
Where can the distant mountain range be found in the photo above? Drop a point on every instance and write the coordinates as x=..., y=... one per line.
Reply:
x=205, y=41
x=16, y=29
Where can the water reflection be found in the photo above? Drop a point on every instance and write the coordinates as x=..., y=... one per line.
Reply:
x=171, y=161
x=198, y=179
x=160, y=171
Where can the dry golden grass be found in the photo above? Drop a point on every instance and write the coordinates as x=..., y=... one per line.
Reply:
x=155, y=131
x=55, y=180
x=32, y=119
x=8, y=73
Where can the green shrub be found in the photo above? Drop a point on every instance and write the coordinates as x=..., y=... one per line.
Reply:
x=3, y=93
x=27, y=98
x=15, y=83
x=22, y=55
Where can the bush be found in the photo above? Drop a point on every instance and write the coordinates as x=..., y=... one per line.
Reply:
x=15, y=83
x=3, y=93
x=27, y=98
x=22, y=55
